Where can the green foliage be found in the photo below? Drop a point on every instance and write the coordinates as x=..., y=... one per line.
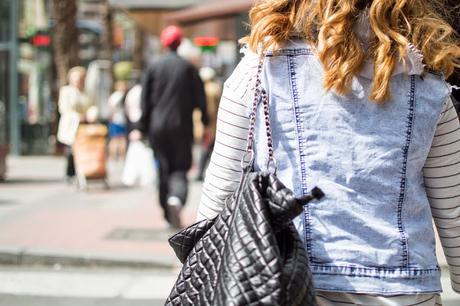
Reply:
x=122, y=71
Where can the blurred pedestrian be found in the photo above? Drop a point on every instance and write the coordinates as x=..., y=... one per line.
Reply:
x=139, y=167
x=117, y=121
x=355, y=110
x=171, y=90
x=213, y=92
x=133, y=108
x=73, y=106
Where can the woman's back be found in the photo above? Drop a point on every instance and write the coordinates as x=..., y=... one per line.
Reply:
x=365, y=129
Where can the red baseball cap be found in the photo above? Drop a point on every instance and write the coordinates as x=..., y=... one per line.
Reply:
x=171, y=37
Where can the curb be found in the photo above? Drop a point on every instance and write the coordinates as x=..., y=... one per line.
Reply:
x=24, y=257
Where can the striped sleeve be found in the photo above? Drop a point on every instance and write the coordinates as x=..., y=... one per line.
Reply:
x=442, y=183
x=224, y=172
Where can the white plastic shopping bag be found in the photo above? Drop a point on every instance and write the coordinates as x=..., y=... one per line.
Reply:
x=67, y=128
x=139, y=165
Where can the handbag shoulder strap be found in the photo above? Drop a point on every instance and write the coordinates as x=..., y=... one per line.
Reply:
x=260, y=95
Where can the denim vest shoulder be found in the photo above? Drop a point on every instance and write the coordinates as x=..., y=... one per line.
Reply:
x=372, y=233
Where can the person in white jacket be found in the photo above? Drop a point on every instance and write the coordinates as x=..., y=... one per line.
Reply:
x=73, y=107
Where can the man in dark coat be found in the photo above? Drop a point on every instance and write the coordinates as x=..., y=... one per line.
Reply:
x=171, y=90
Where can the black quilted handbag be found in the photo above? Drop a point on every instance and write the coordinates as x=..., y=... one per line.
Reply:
x=250, y=254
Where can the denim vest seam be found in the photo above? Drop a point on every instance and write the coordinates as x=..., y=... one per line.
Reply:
x=403, y=183
x=295, y=99
x=369, y=276
x=436, y=73
x=289, y=52
x=412, y=271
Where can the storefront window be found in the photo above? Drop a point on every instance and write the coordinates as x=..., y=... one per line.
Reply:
x=36, y=110
x=5, y=30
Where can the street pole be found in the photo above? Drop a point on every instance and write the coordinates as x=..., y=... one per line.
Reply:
x=15, y=120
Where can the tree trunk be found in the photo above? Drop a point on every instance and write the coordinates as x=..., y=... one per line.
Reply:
x=107, y=38
x=65, y=44
x=139, y=45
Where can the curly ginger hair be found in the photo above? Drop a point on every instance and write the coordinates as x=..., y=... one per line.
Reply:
x=327, y=25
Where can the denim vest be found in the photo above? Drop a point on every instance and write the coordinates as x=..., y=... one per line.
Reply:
x=372, y=233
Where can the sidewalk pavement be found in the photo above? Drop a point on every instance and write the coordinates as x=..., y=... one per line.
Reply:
x=45, y=221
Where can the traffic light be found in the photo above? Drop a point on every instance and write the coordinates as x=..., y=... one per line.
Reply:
x=40, y=40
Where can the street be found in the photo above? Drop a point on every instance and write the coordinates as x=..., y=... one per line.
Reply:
x=83, y=287
x=353, y=96
x=91, y=287
x=63, y=247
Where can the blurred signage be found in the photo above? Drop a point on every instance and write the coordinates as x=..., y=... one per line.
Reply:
x=118, y=36
x=206, y=43
x=40, y=40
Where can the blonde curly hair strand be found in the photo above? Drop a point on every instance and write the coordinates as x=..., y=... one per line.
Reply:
x=327, y=26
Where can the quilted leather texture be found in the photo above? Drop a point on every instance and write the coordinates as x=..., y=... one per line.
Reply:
x=251, y=254
x=184, y=241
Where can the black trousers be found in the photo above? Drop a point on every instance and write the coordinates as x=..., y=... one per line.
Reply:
x=175, y=159
x=70, y=167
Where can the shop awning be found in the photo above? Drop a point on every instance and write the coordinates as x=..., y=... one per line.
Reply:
x=207, y=11
x=149, y=14
x=152, y=4
x=218, y=18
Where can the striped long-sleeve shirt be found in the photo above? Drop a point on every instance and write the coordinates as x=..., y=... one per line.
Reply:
x=442, y=183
